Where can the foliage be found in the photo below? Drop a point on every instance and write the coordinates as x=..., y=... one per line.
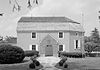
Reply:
x=30, y=53
x=65, y=65
x=93, y=41
x=17, y=6
x=32, y=66
x=91, y=54
x=37, y=63
x=95, y=36
x=10, y=39
x=10, y=54
x=90, y=46
x=62, y=61
x=1, y=38
x=72, y=54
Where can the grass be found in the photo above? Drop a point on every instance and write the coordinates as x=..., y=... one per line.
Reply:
x=18, y=66
x=88, y=63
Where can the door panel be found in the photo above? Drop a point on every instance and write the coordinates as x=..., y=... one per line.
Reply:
x=48, y=50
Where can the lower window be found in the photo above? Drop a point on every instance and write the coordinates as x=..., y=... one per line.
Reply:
x=33, y=47
x=60, y=47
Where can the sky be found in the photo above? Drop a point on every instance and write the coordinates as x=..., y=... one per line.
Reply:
x=82, y=11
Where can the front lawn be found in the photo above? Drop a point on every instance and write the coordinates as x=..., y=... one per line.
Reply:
x=18, y=66
x=88, y=63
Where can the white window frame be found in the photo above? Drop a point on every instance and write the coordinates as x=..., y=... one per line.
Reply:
x=62, y=33
x=63, y=47
x=79, y=44
x=30, y=47
x=35, y=34
x=37, y=48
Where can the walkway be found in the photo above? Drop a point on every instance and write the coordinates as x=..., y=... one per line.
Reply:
x=49, y=62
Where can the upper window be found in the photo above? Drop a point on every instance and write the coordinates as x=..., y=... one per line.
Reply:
x=33, y=35
x=60, y=47
x=60, y=34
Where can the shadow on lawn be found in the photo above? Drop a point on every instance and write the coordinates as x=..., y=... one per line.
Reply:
x=74, y=66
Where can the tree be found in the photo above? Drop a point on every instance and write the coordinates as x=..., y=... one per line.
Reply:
x=95, y=36
x=10, y=39
x=92, y=41
x=89, y=46
x=17, y=6
x=1, y=38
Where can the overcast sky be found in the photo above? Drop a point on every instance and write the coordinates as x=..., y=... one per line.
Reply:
x=72, y=9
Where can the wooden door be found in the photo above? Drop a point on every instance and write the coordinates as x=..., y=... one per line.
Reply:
x=49, y=50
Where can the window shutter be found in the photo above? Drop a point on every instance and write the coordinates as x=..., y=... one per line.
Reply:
x=30, y=47
x=36, y=47
x=79, y=44
x=63, y=47
x=74, y=44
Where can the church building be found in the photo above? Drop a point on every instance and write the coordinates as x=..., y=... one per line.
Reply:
x=48, y=35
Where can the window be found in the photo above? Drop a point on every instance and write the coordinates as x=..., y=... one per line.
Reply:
x=33, y=47
x=76, y=44
x=60, y=47
x=76, y=34
x=60, y=34
x=33, y=35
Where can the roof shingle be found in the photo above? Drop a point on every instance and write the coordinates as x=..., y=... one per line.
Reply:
x=46, y=19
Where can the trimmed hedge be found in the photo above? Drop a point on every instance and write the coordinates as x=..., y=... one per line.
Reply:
x=11, y=54
x=30, y=53
x=37, y=63
x=92, y=54
x=65, y=65
x=71, y=54
x=32, y=66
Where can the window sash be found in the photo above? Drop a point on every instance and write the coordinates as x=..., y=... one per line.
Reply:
x=33, y=47
x=76, y=44
x=60, y=34
x=33, y=35
x=60, y=47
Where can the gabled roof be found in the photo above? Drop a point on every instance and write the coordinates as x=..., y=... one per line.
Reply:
x=46, y=19
x=48, y=24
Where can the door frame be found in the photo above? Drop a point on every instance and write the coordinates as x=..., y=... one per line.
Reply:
x=49, y=49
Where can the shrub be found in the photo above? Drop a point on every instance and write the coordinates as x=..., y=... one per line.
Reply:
x=37, y=63
x=11, y=54
x=32, y=66
x=30, y=53
x=72, y=54
x=92, y=54
x=62, y=61
x=65, y=65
